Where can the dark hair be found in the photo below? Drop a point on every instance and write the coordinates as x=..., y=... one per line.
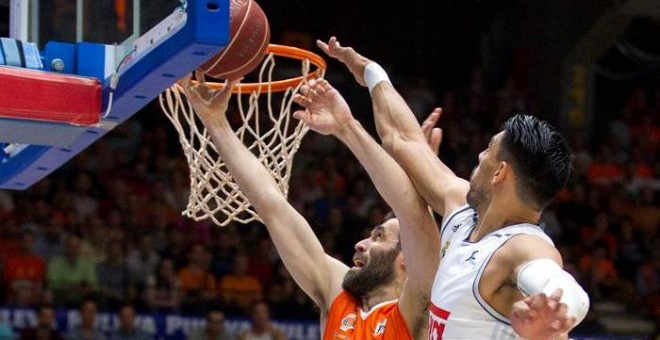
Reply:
x=540, y=157
x=390, y=215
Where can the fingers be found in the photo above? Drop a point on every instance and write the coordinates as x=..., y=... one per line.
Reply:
x=303, y=115
x=433, y=134
x=435, y=139
x=186, y=84
x=224, y=94
x=556, y=295
x=314, y=88
x=199, y=76
x=323, y=46
x=331, y=48
x=334, y=43
x=301, y=100
x=433, y=118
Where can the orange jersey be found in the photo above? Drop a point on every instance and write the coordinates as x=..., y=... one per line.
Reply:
x=346, y=320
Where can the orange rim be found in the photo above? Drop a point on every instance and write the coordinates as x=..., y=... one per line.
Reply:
x=284, y=84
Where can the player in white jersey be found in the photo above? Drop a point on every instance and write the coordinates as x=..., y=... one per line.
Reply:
x=500, y=276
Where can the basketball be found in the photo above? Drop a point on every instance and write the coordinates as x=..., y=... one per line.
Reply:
x=249, y=37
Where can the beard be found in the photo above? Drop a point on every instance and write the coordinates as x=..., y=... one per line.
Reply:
x=377, y=272
x=477, y=196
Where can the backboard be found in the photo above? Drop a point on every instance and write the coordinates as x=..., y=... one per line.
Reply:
x=135, y=48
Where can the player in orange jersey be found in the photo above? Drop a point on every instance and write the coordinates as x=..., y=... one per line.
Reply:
x=381, y=296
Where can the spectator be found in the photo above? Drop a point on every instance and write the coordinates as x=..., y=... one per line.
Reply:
x=51, y=242
x=6, y=203
x=238, y=287
x=599, y=232
x=142, y=261
x=197, y=282
x=646, y=214
x=600, y=272
x=262, y=327
x=70, y=276
x=287, y=300
x=113, y=276
x=87, y=328
x=604, y=169
x=224, y=248
x=214, y=329
x=45, y=328
x=177, y=246
x=632, y=251
x=25, y=274
x=85, y=204
x=95, y=240
x=163, y=291
x=127, y=328
x=263, y=260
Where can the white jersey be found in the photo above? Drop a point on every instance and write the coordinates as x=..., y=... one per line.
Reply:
x=457, y=310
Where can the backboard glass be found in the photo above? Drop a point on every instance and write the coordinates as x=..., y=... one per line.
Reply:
x=136, y=48
x=100, y=21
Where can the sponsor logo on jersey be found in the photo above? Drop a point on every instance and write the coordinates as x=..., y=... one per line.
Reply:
x=437, y=321
x=472, y=258
x=380, y=328
x=348, y=322
x=444, y=249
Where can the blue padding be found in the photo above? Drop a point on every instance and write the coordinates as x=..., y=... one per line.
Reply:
x=66, y=52
x=204, y=35
x=88, y=56
x=14, y=174
x=38, y=132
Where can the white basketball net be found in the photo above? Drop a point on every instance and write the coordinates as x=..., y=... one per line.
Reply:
x=274, y=138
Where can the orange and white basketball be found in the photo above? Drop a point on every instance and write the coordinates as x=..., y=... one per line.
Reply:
x=249, y=37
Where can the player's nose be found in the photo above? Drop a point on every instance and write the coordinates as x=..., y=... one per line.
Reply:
x=363, y=245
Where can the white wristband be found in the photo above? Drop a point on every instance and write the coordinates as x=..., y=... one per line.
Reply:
x=373, y=75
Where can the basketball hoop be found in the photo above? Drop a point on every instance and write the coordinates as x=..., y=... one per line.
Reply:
x=265, y=129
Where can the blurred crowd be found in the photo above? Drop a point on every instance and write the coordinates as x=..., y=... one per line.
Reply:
x=107, y=227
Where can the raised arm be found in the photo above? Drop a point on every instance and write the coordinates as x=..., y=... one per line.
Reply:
x=401, y=134
x=327, y=113
x=318, y=274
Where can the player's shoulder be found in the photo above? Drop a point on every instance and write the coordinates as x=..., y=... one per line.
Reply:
x=525, y=247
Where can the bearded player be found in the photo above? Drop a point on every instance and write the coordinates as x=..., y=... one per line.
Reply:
x=382, y=296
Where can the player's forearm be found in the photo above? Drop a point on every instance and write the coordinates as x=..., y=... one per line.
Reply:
x=294, y=240
x=419, y=236
x=394, y=120
x=382, y=169
x=255, y=181
x=397, y=125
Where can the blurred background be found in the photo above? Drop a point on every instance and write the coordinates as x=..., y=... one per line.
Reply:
x=590, y=67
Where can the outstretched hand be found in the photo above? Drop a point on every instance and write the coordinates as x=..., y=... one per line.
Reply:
x=209, y=104
x=541, y=317
x=347, y=55
x=326, y=111
x=433, y=134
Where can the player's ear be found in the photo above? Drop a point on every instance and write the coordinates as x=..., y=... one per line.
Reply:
x=503, y=171
x=402, y=261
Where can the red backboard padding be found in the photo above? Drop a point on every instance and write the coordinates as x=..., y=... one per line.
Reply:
x=46, y=96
